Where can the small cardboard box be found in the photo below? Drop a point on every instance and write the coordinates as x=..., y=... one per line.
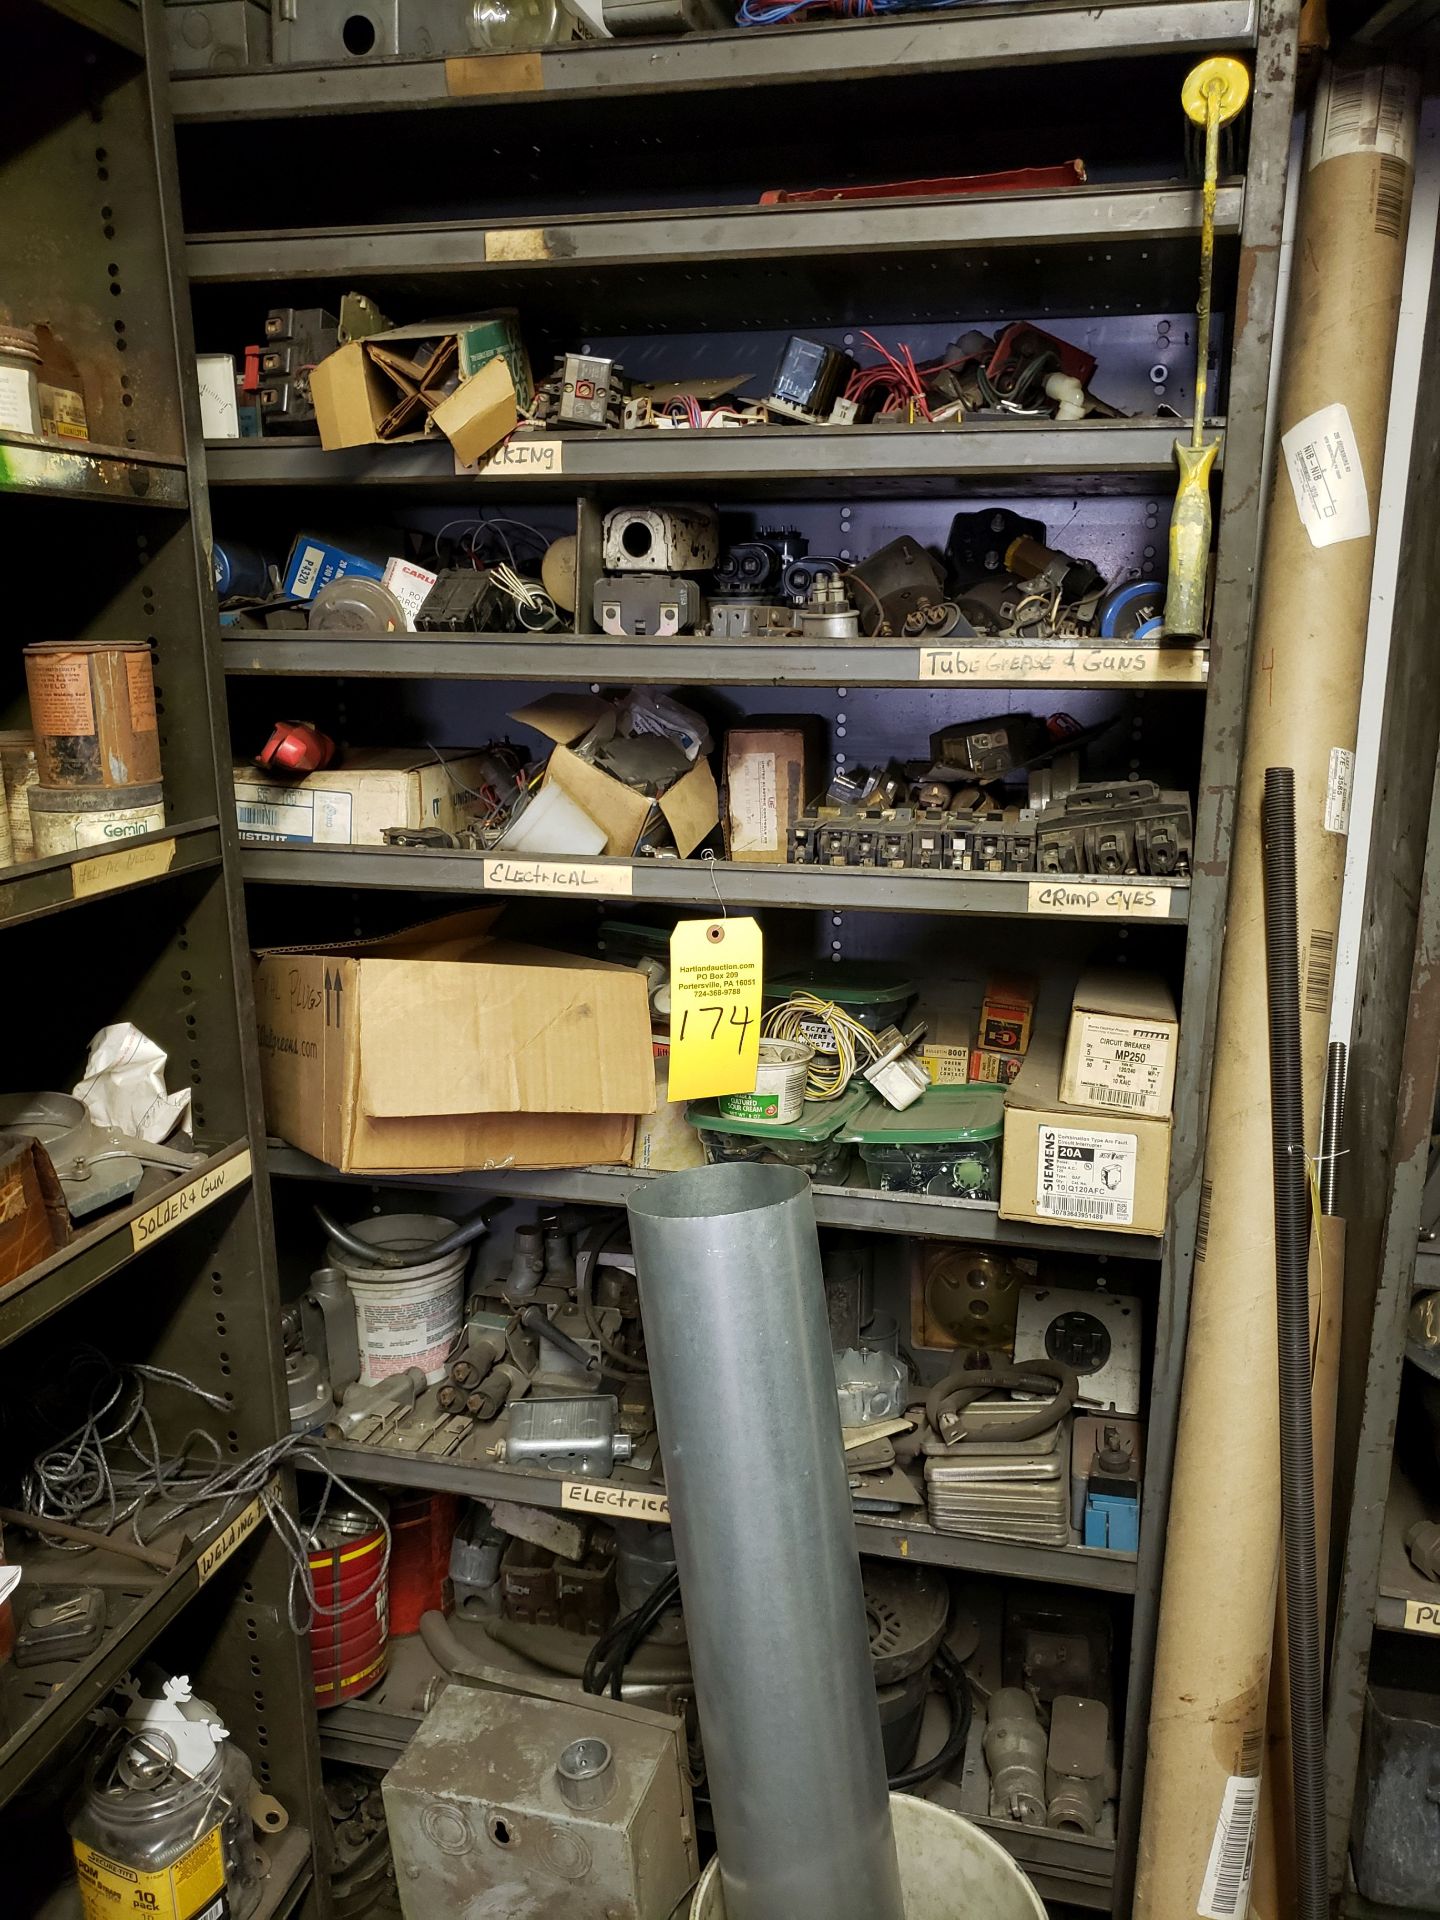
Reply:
x=998, y=1068
x=464, y=378
x=444, y=1048
x=1120, y=1053
x=769, y=770
x=314, y=562
x=411, y=585
x=945, y=1050
x=1068, y=1164
x=691, y=807
x=1006, y=1013
x=351, y=805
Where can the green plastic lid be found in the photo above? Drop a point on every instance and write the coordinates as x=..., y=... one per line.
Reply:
x=819, y=1119
x=853, y=983
x=940, y=1116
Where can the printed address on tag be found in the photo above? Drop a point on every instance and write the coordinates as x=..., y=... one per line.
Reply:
x=558, y=876
x=1106, y=901
x=192, y=1198
x=1102, y=666
x=628, y=1503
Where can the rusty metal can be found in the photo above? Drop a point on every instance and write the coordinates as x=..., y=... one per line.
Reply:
x=64, y=819
x=92, y=705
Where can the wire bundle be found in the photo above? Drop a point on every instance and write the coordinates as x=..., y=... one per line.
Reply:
x=832, y=1067
x=111, y=1469
x=607, y=1660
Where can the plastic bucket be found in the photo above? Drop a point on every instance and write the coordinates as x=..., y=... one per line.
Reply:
x=947, y=1867
x=778, y=1098
x=404, y=1316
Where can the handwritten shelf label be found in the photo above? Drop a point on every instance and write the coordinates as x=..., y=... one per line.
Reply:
x=186, y=1201
x=1099, y=900
x=558, y=876
x=1097, y=666
x=630, y=1503
x=528, y=454
x=1422, y=1616
x=123, y=868
x=229, y=1538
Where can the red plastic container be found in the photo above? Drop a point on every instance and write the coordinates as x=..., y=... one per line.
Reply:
x=421, y=1529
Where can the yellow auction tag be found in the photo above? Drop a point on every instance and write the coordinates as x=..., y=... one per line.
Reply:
x=715, y=968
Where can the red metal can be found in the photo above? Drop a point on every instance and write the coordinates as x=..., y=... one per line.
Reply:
x=349, y=1636
x=421, y=1529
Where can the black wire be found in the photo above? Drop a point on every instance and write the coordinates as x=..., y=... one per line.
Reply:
x=608, y=1658
x=956, y=1685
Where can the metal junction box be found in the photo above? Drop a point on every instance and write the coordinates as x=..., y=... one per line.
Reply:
x=541, y=1808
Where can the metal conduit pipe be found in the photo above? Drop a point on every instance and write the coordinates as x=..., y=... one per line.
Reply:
x=728, y=1262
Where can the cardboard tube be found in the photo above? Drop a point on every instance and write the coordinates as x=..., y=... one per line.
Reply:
x=1217, y=1614
x=1272, y=1891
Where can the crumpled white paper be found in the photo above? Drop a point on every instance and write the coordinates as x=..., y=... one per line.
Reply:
x=124, y=1085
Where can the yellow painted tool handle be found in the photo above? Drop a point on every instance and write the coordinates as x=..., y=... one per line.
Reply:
x=1189, y=542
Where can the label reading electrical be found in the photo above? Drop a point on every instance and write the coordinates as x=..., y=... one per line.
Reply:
x=615, y=1503
x=1099, y=900
x=715, y=969
x=123, y=868
x=1067, y=666
x=192, y=1198
x=558, y=876
x=229, y=1538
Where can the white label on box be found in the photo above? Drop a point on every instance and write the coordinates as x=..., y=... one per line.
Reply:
x=1066, y=666
x=277, y=816
x=558, y=876
x=529, y=454
x=1323, y=463
x=1339, y=786
x=17, y=400
x=1225, y=1893
x=1124, y=1065
x=307, y=572
x=1367, y=109
x=410, y=585
x=754, y=806
x=1081, y=1175
x=1099, y=900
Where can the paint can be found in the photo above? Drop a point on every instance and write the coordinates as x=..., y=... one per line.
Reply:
x=350, y=1633
x=92, y=705
x=64, y=819
x=422, y=1526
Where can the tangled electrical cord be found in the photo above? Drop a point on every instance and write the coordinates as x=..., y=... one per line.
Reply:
x=607, y=1660
x=77, y=1479
x=852, y=1046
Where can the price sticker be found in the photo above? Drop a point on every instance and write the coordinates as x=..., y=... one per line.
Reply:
x=715, y=969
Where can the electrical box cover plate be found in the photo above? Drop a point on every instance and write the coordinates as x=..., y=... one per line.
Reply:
x=1096, y=1333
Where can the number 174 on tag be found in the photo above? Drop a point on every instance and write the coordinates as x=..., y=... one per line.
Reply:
x=715, y=986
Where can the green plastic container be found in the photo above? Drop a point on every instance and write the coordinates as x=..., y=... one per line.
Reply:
x=809, y=1143
x=869, y=991
x=947, y=1144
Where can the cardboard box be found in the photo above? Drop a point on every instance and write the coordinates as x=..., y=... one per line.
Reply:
x=411, y=586
x=445, y=1048
x=1069, y=1164
x=945, y=1050
x=1006, y=1014
x=998, y=1068
x=463, y=378
x=1123, y=1038
x=351, y=805
x=691, y=807
x=769, y=771
x=314, y=563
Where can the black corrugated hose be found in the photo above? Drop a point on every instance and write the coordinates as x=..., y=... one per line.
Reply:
x=1292, y=1299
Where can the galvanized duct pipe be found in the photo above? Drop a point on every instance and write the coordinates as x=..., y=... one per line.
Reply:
x=728, y=1262
x=1217, y=1619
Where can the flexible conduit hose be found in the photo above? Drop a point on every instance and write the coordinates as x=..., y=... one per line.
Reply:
x=1292, y=1298
x=408, y=1253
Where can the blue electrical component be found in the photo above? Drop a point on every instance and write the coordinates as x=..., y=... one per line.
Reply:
x=1134, y=612
x=1112, y=1520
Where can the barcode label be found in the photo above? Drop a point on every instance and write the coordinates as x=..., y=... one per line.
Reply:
x=250, y=815
x=1225, y=1894
x=1076, y=1207
x=1252, y=1751
x=1319, y=971
x=1085, y=1175
x=1364, y=109
x=1390, y=189
x=1133, y=1099
x=1202, y=1223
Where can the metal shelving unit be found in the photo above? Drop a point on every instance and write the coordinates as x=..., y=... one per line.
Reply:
x=1133, y=247
x=148, y=932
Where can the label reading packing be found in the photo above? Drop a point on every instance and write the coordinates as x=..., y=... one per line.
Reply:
x=1084, y=1175
x=525, y=455
x=189, y=1200
x=1323, y=462
x=614, y=1503
x=107, y=871
x=715, y=986
x=1102, y=666
x=1103, y=900
x=1422, y=1616
x=558, y=876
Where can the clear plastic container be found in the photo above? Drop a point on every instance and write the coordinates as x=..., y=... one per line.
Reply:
x=869, y=991
x=809, y=1143
x=947, y=1144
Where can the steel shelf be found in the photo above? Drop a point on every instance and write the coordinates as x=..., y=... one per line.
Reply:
x=81, y=470
x=715, y=882
x=590, y=658
x=972, y=39
x=912, y=1540
x=810, y=462
x=863, y=1209
x=434, y=254
x=117, y=21
x=1405, y=1601
x=97, y=1252
x=35, y=888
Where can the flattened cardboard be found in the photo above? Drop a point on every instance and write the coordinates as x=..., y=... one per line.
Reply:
x=396, y=385
x=479, y=413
